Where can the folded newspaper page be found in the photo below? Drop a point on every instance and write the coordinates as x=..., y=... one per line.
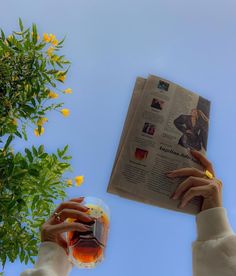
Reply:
x=163, y=122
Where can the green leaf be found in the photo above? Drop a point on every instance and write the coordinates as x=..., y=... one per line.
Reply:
x=59, y=153
x=26, y=259
x=41, y=149
x=28, y=109
x=21, y=33
x=31, y=259
x=24, y=132
x=18, y=134
x=2, y=35
x=29, y=155
x=35, y=200
x=64, y=150
x=20, y=173
x=22, y=255
x=33, y=102
x=34, y=151
x=34, y=172
x=3, y=260
x=67, y=158
x=12, y=204
x=44, y=155
x=64, y=165
x=21, y=25
x=61, y=42
x=9, y=139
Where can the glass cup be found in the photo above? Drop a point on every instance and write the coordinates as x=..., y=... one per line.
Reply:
x=86, y=249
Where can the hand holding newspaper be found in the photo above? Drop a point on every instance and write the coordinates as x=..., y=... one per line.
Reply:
x=163, y=122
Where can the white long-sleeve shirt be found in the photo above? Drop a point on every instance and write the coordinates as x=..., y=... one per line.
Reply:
x=214, y=251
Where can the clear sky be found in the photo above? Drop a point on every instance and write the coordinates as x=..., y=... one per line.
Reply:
x=110, y=43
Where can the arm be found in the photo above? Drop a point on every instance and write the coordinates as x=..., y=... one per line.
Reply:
x=214, y=251
x=52, y=261
x=180, y=123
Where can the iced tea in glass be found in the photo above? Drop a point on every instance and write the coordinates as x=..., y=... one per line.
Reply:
x=86, y=249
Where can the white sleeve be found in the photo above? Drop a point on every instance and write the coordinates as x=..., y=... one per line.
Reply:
x=214, y=251
x=52, y=261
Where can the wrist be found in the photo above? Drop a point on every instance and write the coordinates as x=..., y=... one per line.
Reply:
x=210, y=204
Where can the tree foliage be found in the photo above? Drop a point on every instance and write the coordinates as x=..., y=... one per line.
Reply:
x=29, y=183
x=29, y=68
x=31, y=180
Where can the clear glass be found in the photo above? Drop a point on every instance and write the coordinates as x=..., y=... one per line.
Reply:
x=86, y=250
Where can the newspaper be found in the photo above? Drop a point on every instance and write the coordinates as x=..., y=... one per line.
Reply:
x=163, y=122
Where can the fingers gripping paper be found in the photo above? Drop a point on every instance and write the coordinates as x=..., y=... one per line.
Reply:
x=164, y=120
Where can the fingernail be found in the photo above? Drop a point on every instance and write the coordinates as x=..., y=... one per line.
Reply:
x=168, y=172
x=182, y=205
x=86, y=226
x=175, y=197
x=171, y=175
x=90, y=218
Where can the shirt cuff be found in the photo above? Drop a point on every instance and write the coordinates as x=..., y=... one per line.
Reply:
x=54, y=257
x=213, y=224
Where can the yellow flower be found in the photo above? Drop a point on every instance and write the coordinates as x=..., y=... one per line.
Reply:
x=46, y=38
x=50, y=51
x=55, y=58
x=61, y=78
x=79, y=180
x=41, y=121
x=36, y=131
x=52, y=37
x=65, y=112
x=52, y=95
x=68, y=91
x=54, y=42
x=10, y=37
x=69, y=182
x=14, y=122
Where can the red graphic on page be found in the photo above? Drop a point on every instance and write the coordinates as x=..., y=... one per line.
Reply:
x=141, y=154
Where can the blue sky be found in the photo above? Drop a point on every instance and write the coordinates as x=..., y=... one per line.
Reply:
x=110, y=43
